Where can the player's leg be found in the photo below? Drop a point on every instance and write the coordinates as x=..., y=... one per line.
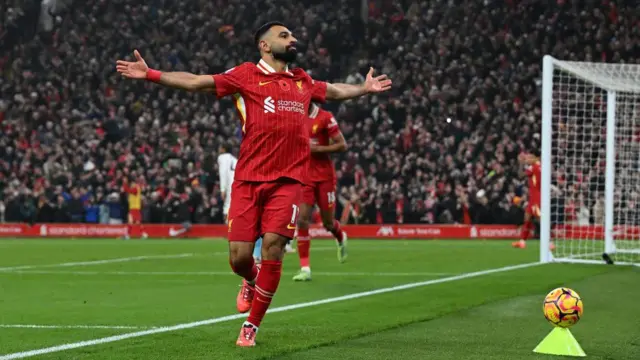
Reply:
x=278, y=222
x=129, y=231
x=525, y=232
x=134, y=224
x=257, y=248
x=242, y=233
x=326, y=197
x=138, y=221
x=304, y=240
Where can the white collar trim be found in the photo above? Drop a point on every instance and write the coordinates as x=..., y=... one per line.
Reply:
x=267, y=69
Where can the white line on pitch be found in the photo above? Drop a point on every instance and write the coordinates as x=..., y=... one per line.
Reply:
x=96, y=262
x=114, y=327
x=109, y=339
x=221, y=273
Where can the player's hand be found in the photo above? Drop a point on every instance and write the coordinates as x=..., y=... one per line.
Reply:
x=133, y=70
x=376, y=84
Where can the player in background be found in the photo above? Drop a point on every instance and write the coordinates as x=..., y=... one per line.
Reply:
x=272, y=102
x=326, y=138
x=531, y=161
x=134, y=192
x=226, y=170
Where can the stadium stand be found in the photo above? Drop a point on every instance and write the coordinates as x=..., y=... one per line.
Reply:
x=441, y=148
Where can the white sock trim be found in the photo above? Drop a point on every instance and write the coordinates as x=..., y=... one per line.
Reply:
x=248, y=323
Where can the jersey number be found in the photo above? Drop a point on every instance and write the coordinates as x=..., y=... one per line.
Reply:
x=331, y=197
x=294, y=216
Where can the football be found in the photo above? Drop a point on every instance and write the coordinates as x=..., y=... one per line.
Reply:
x=563, y=307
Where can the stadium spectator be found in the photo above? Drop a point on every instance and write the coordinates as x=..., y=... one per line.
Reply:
x=442, y=148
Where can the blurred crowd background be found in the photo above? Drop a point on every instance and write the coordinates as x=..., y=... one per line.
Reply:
x=442, y=147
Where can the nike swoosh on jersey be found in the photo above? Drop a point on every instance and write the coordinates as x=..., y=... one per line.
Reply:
x=263, y=83
x=291, y=227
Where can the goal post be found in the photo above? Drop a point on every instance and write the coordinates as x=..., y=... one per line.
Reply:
x=590, y=162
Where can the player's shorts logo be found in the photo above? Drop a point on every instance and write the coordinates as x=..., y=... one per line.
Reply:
x=269, y=105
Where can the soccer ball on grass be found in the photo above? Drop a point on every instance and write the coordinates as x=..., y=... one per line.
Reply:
x=563, y=307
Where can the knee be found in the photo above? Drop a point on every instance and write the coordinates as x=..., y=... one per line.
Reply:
x=328, y=224
x=273, y=249
x=303, y=223
x=239, y=260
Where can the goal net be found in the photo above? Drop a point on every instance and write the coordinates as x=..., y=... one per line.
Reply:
x=590, y=162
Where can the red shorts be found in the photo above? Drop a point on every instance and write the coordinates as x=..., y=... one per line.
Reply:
x=322, y=193
x=263, y=207
x=533, y=209
x=135, y=216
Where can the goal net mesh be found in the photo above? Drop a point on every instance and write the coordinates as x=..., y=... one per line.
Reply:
x=578, y=161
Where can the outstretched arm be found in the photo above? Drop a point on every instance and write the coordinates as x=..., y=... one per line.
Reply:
x=182, y=80
x=371, y=85
x=179, y=80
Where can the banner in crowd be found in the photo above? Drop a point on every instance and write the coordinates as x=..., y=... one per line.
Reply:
x=220, y=231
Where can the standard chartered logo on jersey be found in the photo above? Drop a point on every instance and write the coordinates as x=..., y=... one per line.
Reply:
x=270, y=106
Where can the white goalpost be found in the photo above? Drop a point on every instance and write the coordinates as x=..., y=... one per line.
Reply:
x=590, y=162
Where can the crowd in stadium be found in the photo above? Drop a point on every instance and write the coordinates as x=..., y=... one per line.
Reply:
x=440, y=148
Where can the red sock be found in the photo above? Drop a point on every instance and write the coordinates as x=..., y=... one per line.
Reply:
x=526, y=229
x=249, y=273
x=266, y=286
x=135, y=230
x=304, y=244
x=337, y=230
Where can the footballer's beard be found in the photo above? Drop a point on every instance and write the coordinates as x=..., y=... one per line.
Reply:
x=287, y=56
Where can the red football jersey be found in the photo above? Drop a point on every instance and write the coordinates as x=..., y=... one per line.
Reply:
x=534, y=174
x=323, y=127
x=273, y=109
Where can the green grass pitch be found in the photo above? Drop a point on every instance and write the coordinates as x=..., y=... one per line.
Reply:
x=57, y=292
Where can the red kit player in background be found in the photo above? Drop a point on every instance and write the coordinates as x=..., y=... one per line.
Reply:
x=532, y=211
x=272, y=102
x=320, y=188
x=134, y=191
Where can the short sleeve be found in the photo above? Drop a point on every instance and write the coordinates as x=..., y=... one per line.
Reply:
x=318, y=91
x=230, y=81
x=332, y=126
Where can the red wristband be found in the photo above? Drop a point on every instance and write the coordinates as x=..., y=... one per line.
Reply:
x=154, y=75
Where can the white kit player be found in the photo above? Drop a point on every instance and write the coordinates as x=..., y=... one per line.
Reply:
x=227, y=169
